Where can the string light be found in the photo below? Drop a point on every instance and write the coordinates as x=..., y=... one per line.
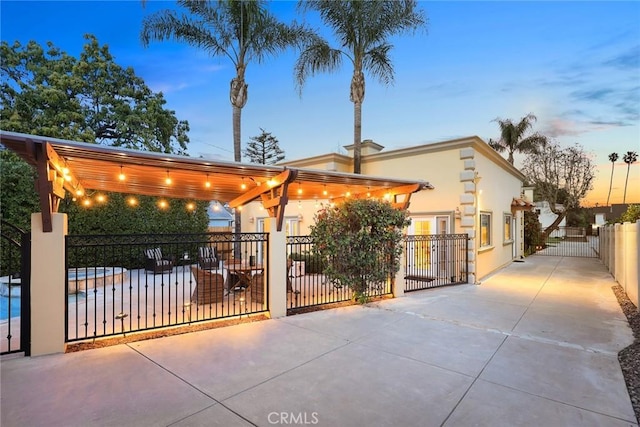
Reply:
x=190, y=206
x=299, y=188
x=101, y=198
x=207, y=183
x=324, y=192
x=132, y=201
x=243, y=185
x=163, y=204
x=168, y=179
x=86, y=202
x=121, y=177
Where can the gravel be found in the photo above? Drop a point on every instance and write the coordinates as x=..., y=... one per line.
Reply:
x=630, y=357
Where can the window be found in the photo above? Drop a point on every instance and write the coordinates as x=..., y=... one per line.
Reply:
x=485, y=229
x=508, y=221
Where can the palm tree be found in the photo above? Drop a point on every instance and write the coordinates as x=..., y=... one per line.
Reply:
x=613, y=157
x=241, y=30
x=512, y=137
x=629, y=157
x=362, y=28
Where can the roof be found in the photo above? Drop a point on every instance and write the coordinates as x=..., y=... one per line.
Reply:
x=81, y=167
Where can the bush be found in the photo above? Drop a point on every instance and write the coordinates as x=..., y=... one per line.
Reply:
x=362, y=241
x=313, y=262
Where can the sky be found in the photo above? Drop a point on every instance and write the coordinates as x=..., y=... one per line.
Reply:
x=575, y=65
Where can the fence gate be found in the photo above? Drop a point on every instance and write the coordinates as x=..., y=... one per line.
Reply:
x=570, y=242
x=15, y=272
x=433, y=260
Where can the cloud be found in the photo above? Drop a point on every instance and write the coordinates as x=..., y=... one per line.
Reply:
x=592, y=94
x=567, y=127
x=629, y=60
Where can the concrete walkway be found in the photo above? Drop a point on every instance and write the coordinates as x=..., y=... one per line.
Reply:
x=536, y=344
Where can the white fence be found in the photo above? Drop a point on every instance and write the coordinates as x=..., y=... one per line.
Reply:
x=619, y=251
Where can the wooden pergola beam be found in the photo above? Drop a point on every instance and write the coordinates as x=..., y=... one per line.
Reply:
x=393, y=195
x=273, y=194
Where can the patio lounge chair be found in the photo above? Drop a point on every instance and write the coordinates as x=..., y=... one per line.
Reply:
x=156, y=262
x=209, y=286
x=208, y=258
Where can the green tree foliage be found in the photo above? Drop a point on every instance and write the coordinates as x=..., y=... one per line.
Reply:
x=18, y=198
x=632, y=214
x=116, y=216
x=242, y=30
x=90, y=98
x=363, y=28
x=264, y=149
x=562, y=177
x=513, y=139
x=361, y=239
x=532, y=232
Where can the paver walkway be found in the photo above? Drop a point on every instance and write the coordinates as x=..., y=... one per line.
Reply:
x=535, y=344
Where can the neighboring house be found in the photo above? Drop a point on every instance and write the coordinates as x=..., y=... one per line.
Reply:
x=477, y=192
x=546, y=217
x=607, y=214
x=220, y=218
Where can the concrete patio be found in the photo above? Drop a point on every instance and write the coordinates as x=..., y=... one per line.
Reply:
x=534, y=344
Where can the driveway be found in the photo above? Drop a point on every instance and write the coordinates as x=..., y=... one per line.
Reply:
x=534, y=344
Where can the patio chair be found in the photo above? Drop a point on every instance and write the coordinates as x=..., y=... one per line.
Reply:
x=209, y=287
x=156, y=262
x=208, y=258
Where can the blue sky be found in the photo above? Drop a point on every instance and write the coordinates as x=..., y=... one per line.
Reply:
x=576, y=65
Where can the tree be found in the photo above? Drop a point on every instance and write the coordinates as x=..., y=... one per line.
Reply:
x=18, y=197
x=264, y=149
x=512, y=137
x=241, y=30
x=362, y=239
x=89, y=99
x=562, y=176
x=629, y=157
x=532, y=233
x=613, y=157
x=363, y=28
x=632, y=214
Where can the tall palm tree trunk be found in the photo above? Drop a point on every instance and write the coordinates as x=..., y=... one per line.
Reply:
x=611, y=183
x=626, y=181
x=357, y=136
x=357, y=97
x=238, y=97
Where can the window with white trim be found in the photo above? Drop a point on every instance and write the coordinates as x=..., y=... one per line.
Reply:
x=507, y=220
x=485, y=229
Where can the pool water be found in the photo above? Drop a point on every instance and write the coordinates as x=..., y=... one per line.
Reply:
x=4, y=307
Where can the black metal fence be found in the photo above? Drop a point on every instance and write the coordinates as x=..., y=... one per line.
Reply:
x=15, y=272
x=435, y=260
x=570, y=242
x=117, y=284
x=308, y=286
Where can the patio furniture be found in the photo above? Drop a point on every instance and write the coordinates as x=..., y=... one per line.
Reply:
x=156, y=262
x=209, y=286
x=208, y=258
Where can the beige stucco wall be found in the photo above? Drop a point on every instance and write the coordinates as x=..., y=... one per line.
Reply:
x=450, y=167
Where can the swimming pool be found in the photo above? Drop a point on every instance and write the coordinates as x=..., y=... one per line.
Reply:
x=90, y=277
x=4, y=307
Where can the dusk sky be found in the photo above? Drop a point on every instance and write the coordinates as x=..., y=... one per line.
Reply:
x=575, y=65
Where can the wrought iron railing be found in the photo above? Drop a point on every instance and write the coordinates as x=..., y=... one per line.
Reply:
x=307, y=283
x=435, y=260
x=117, y=284
x=570, y=242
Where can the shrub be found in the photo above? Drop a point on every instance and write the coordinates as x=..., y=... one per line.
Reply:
x=361, y=239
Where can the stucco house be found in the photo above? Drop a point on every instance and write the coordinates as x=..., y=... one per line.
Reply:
x=477, y=192
x=546, y=217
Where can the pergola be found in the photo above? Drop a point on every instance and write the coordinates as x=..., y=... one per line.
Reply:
x=78, y=167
